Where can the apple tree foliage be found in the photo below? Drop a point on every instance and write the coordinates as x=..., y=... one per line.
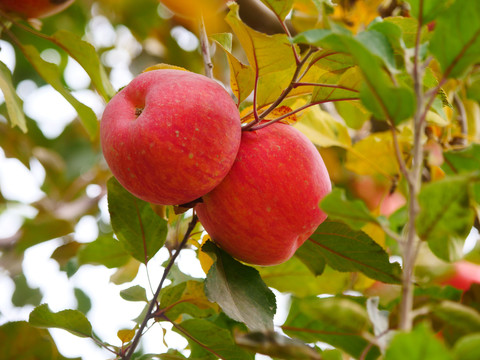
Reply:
x=389, y=92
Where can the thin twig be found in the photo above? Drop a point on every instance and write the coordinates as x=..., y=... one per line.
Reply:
x=153, y=302
x=205, y=46
x=282, y=96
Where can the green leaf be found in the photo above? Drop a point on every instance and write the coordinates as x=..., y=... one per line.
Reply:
x=353, y=213
x=20, y=340
x=105, y=251
x=463, y=318
x=213, y=337
x=13, y=102
x=347, y=250
x=239, y=290
x=294, y=277
x=84, y=53
x=336, y=321
x=462, y=161
x=307, y=255
x=343, y=85
x=372, y=52
x=430, y=9
x=71, y=320
x=446, y=216
x=377, y=43
x=276, y=345
x=280, y=7
x=52, y=75
x=84, y=304
x=456, y=42
x=140, y=230
x=419, y=344
x=186, y=298
x=224, y=40
x=24, y=294
x=42, y=228
x=134, y=293
x=467, y=348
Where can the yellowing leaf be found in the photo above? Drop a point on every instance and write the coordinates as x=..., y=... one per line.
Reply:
x=242, y=76
x=125, y=335
x=206, y=261
x=322, y=129
x=271, y=57
x=358, y=15
x=373, y=155
x=163, y=66
x=275, y=114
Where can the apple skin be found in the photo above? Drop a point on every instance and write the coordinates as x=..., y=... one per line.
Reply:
x=170, y=136
x=464, y=275
x=35, y=8
x=268, y=204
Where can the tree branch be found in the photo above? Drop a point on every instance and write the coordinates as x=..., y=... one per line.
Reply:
x=153, y=302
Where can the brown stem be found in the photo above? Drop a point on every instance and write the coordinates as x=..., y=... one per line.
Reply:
x=153, y=302
x=282, y=96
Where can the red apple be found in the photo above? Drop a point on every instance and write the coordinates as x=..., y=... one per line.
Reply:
x=35, y=8
x=170, y=136
x=464, y=275
x=267, y=205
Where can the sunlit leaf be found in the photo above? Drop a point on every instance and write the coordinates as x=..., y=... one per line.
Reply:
x=186, y=298
x=280, y=8
x=270, y=56
x=224, y=40
x=455, y=42
x=20, y=340
x=375, y=154
x=241, y=76
x=126, y=273
x=322, y=129
x=338, y=86
x=13, y=102
x=353, y=113
x=295, y=277
x=446, y=216
x=105, y=251
x=336, y=321
x=87, y=57
x=347, y=250
x=419, y=344
x=126, y=335
x=71, y=320
x=52, y=75
x=239, y=290
x=140, y=230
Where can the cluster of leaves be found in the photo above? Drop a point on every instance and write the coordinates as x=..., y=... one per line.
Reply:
x=392, y=102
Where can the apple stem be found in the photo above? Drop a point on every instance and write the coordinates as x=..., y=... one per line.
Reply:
x=205, y=46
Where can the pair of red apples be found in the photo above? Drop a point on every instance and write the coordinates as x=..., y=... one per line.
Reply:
x=171, y=137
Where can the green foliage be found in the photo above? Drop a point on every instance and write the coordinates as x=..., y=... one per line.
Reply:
x=141, y=232
x=239, y=290
x=380, y=94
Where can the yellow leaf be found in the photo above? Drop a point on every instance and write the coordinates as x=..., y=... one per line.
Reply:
x=206, y=261
x=126, y=335
x=276, y=113
x=271, y=57
x=163, y=66
x=322, y=129
x=357, y=14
